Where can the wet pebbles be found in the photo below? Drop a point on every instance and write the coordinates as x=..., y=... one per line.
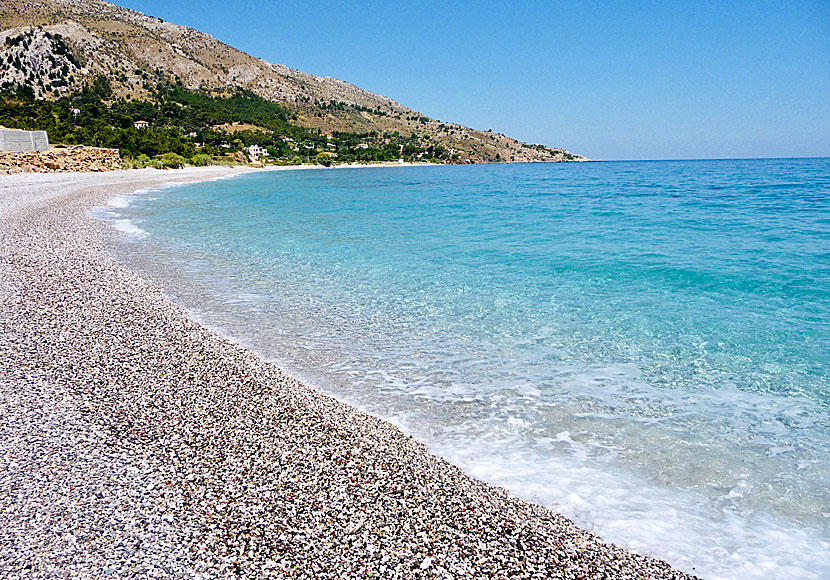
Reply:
x=136, y=444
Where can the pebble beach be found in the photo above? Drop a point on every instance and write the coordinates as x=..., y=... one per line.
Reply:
x=135, y=443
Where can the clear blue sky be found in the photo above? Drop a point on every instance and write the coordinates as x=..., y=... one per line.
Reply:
x=628, y=80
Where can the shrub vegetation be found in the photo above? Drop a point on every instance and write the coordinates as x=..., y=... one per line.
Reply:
x=192, y=125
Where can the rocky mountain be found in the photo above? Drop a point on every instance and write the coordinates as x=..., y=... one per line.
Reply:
x=57, y=46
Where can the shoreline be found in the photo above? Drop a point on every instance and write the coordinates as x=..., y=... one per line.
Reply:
x=138, y=443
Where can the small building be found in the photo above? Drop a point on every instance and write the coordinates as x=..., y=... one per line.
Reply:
x=141, y=124
x=255, y=152
x=361, y=146
x=76, y=112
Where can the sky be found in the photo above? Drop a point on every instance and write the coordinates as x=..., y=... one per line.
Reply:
x=609, y=80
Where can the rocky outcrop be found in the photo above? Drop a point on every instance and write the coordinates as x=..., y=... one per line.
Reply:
x=59, y=159
x=37, y=59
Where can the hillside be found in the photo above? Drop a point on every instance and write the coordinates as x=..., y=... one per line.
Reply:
x=69, y=43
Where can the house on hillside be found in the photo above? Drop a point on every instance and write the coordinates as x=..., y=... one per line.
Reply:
x=141, y=124
x=255, y=152
x=290, y=142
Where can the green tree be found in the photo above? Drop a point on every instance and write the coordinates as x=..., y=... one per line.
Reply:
x=201, y=160
x=172, y=161
x=101, y=87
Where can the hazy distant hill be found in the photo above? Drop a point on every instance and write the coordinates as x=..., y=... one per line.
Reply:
x=81, y=39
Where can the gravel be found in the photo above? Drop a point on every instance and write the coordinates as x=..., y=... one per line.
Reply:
x=135, y=443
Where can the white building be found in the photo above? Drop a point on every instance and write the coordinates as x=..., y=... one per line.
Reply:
x=255, y=152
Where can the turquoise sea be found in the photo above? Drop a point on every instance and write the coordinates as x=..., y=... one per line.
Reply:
x=641, y=346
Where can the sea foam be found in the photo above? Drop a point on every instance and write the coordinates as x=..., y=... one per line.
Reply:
x=640, y=346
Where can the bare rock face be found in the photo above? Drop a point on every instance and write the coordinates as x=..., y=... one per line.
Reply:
x=38, y=59
x=75, y=158
x=135, y=51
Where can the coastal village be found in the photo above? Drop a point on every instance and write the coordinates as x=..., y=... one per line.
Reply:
x=30, y=151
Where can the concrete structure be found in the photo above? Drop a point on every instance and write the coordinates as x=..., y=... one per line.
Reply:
x=141, y=124
x=19, y=141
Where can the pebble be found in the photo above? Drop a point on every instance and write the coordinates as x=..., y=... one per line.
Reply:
x=135, y=443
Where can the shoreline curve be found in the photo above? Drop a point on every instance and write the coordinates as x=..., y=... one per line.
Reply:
x=137, y=443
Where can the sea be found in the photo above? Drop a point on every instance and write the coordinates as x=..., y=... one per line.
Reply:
x=643, y=347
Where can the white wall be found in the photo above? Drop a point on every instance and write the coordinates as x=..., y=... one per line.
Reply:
x=14, y=140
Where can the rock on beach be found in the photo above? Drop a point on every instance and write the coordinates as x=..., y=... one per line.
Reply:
x=60, y=160
x=135, y=443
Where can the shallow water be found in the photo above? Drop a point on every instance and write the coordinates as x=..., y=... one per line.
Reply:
x=641, y=346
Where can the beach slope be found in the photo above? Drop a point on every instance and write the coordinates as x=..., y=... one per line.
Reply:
x=136, y=443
